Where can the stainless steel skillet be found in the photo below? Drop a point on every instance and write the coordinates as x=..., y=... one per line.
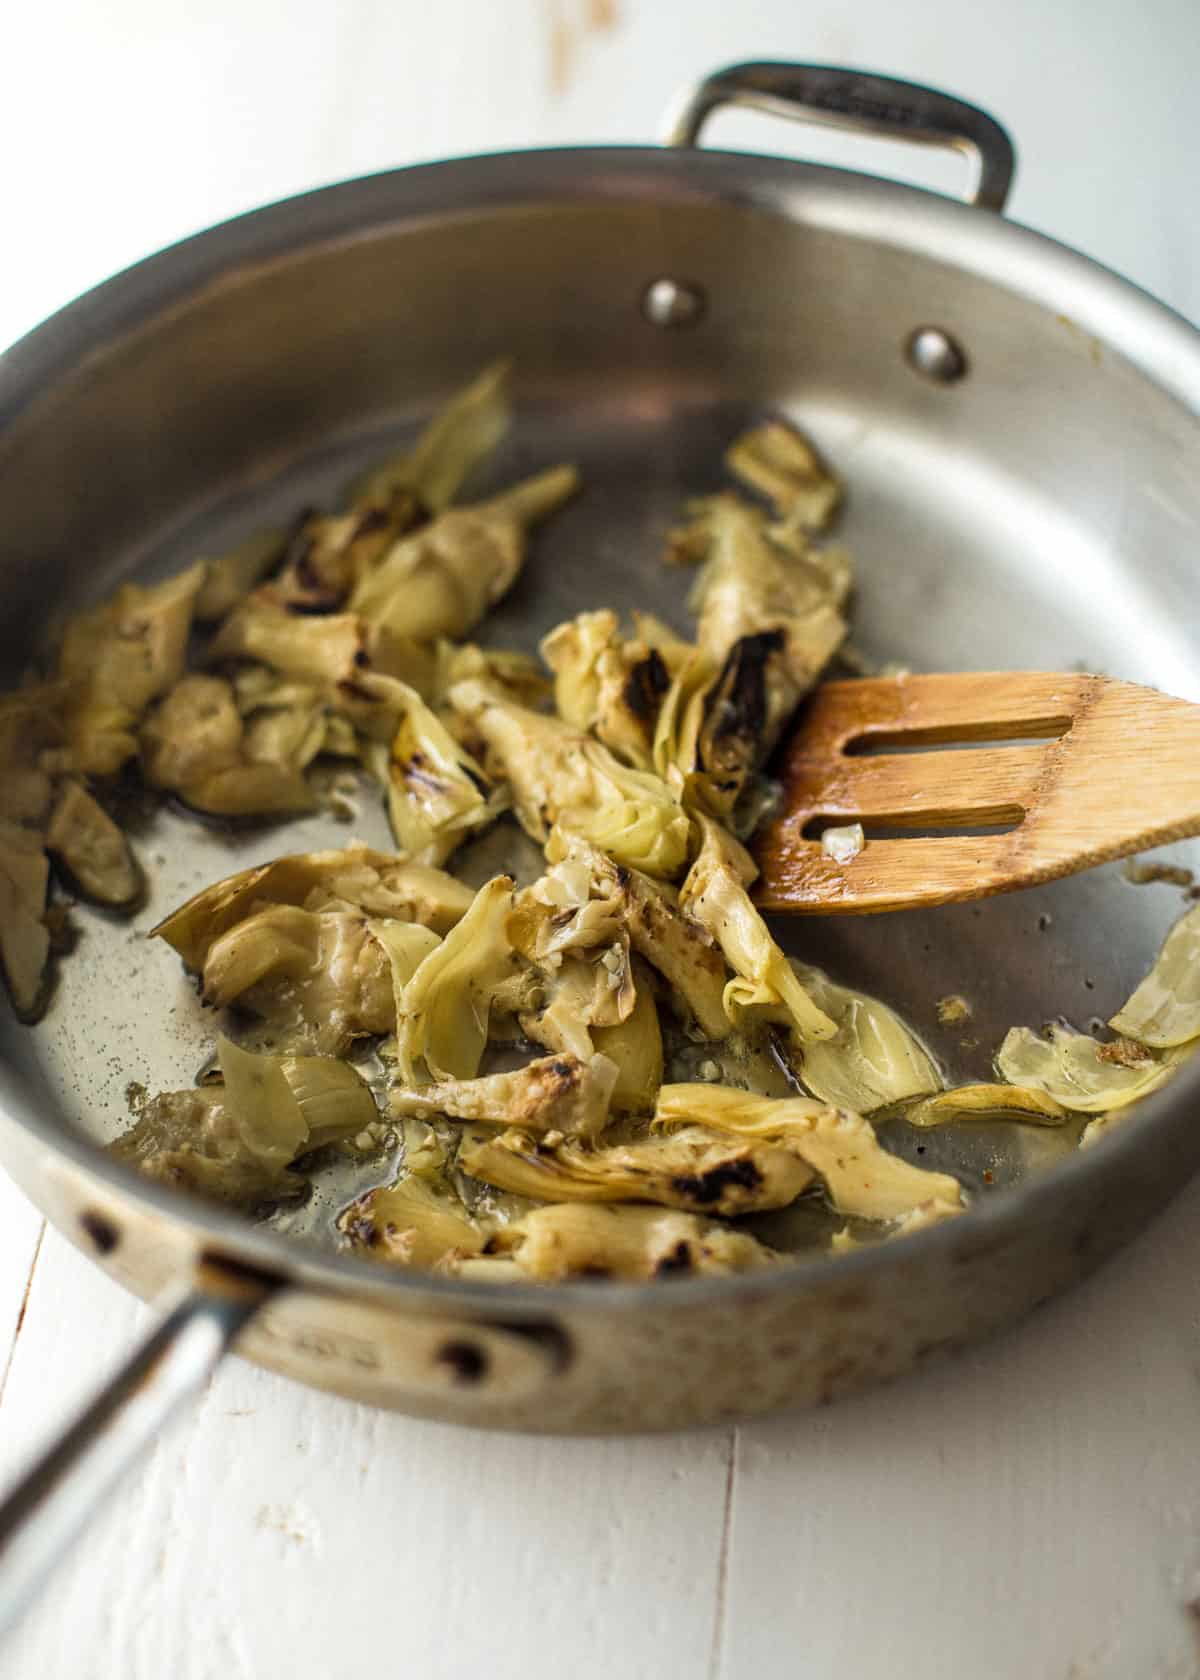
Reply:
x=1021, y=434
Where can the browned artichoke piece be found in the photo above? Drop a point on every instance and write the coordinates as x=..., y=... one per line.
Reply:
x=693, y=1168
x=553, y=1093
x=742, y=713
x=91, y=850
x=24, y=937
x=229, y=577
x=326, y=554
x=578, y=1240
x=119, y=657
x=237, y=1140
x=327, y=648
x=413, y=1223
x=464, y=432
x=777, y=460
x=374, y=882
x=319, y=975
x=193, y=732
x=191, y=1141
x=440, y=580
x=679, y=948
x=194, y=744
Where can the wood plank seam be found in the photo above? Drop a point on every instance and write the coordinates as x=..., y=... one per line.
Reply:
x=716, y=1656
x=12, y=1346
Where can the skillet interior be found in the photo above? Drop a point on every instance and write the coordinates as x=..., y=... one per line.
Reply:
x=1038, y=514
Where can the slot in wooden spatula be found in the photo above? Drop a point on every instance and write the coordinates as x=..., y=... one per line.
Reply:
x=1102, y=769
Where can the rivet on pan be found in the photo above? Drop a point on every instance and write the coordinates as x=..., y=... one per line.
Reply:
x=935, y=355
x=100, y=1229
x=672, y=303
x=467, y=1362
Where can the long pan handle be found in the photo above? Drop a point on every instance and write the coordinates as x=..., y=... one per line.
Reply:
x=53, y=1501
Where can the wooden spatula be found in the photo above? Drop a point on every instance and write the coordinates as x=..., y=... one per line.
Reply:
x=1103, y=769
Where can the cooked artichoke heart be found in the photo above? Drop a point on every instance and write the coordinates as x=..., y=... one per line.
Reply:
x=24, y=939
x=554, y=1093
x=764, y=986
x=413, y=1223
x=236, y=1141
x=691, y=1168
x=580, y=1240
x=374, y=882
x=1082, y=1074
x=196, y=744
x=442, y=1020
x=436, y=792
x=873, y=1060
x=862, y=1178
x=606, y=685
x=1164, y=1009
x=323, y=970
x=987, y=1102
x=775, y=459
x=89, y=846
x=119, y=657
x=560, y=776
x=440, y=580
x=229, y=577
x=465, y=431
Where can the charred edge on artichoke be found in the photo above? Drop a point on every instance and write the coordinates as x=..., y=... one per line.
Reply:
x=735, y=713
x=645, y=686
x=678, y=1260
x=709, y=1186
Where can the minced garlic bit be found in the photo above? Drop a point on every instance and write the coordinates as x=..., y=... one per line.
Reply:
x=953, y=1010
x=841, y=844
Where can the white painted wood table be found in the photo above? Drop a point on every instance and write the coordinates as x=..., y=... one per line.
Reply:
x=1029, y=1509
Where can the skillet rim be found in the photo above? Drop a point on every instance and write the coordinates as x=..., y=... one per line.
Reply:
x=1156, y=341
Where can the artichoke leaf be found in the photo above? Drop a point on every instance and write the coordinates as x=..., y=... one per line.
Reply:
x=90, y=848
x=436, y=792
x=872, y=1061
x=327, y=649
x=406, y=945
x=117, y=658
x=1164, y=1010
x=463, y=433
x=987, y=1102
x=777, y=460
x=377, y=883
x=414, y=1222
x=442, y=1022
x=552, y=1094
x=559, y=775
x=24, y=937
x=676, y=946
x=750, y=587
x=579, y=1239
x=861, y=1177
x=607, y=685
x=229, y=577
x=319, y=970
x=441, y=579
x=1082, y=1074
x=764, y=986
x=195, y=743
x=635, y=1046
x=236, y=1141
x=691, y=1168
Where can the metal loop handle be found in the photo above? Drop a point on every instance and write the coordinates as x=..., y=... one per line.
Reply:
x=862, y=104
x=52, y=1502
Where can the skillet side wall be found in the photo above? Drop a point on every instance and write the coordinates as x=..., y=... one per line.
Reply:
x=664, y=1362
